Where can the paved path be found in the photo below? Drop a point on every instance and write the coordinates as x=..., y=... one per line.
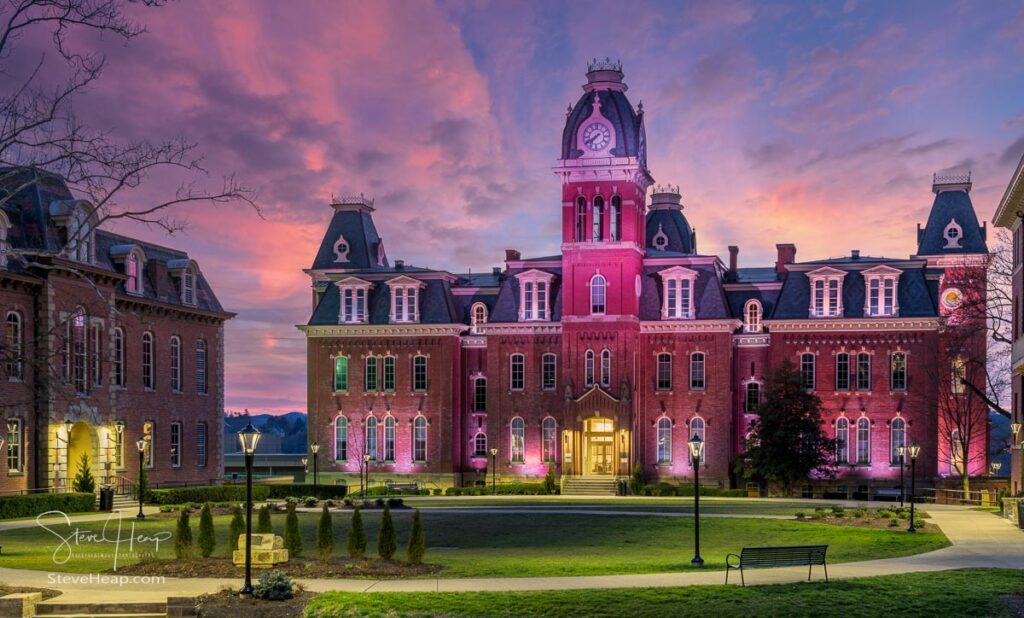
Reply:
x=978, y=540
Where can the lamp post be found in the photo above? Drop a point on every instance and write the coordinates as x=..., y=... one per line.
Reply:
x=141, y=445
x=249, y=437
x=696, y=445
x=1015, y=428
x=305, y=468
x=315, y=447
x=494, y=471
x=366, y=469
x=901, y=452
x=996, y=466
x=913, y=450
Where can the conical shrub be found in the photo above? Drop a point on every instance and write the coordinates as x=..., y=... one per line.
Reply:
x=356, y=536
x=387, y=543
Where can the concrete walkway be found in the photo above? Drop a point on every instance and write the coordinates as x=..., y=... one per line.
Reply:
x=978, y=539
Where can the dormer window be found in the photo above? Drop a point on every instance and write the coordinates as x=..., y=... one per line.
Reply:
x=477, y=316
x=881, y=285
x=188, y=287
x=354, y=293
x=341, y=248
x=752, y=317
x=677, y=293
x=953, y=233
x=405, y=306
x=133, y=268
x=660, y=239
x=826, y=292
x=79, y=239
x=5, y=227
x=535, y=295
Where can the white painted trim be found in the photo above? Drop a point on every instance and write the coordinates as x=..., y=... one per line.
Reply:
x=851, y=324
x=380, y=330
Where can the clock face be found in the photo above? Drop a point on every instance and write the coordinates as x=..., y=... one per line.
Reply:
x=596, y=136
x=951, y=298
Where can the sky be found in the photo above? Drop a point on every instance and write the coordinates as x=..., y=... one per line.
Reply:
x=815, y=123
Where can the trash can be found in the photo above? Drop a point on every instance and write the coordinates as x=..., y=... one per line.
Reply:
x=106, y=498
x=1020, y=514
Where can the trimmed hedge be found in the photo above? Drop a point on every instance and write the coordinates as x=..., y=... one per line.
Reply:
x=507, y=489
x=687, y=490
x=34, y=504
x=320, y=492
x=207, y=493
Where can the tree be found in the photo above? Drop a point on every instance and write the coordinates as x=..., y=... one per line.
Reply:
x=636, y=479
x=207, y=539
x=263, y=524
x=549, y=481
x=236, y=530
x=787, y=442
x=292, y=537
x=356, y=536
x=142, y=486
x=417, y=540
x=387, y=543
x=84, y=481
x=183, y=537
x=325, y=535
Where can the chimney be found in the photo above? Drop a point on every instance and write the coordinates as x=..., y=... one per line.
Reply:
x=733, y=252
x=511, y=255
x=496, y=271
x=855, y=254
x=786, y=255
x=399, y=264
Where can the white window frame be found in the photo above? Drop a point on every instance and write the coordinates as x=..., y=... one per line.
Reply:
x=388, y=368
x=202, y=437
x=826, y=293
x=477, y=316
x=390, y=438
x=175, y=352
x=589, y=375
x=202, y=362
x=95, y=358
x=814, y=370
x=14, y=327
x=420, y=369
x=134, y=268
x=894, y=443
x=517, y=377
x=881, y=291
x=548, y=440
x=188, y=286
x=892, y=371
x=517, y=440
x=678, y=298
x=752, y=312
x=663, y=359
x=340, y=363
x=843, y=373
x=341, y=438
x=842, y=440
x=405, y=299
x=477, y=391
x=606, y=368
x=698, y=371
x=535, y=295
x=598, y=294
x=863, y=378
x=15, y=443
x=549, y=360
x=664, y=438
x=863, y=441
x=118, y=365
x=480, y=444
x=755, y=388
x=372, y=438
x=176, y=441
x=353, y=300
x=148, y=361
x=419, y=439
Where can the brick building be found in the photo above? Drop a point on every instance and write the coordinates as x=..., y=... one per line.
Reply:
x=617, y=350
x=107, y=339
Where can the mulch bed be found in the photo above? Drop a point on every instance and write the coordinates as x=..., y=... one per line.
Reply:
x=214, y=510
x=228, y=604
x=309, y=568
x=47, y=593
x=870, y=522
x=1014, y=603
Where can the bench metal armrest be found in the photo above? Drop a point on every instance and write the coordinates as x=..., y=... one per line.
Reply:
x=739, y=561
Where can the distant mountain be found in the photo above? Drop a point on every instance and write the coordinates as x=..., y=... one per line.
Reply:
x=288, y=431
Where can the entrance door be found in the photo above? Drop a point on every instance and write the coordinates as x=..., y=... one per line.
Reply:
x=599, y=446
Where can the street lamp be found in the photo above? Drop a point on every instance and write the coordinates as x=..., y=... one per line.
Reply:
x=494, y=471
x=696, y=445
x=1015, y=428
x=315, y=447
x=305, y=467
x=913, y=450
x=366, y=469
x=141, y=445
x=249, y=438
x=996, y=466
x=901, y=452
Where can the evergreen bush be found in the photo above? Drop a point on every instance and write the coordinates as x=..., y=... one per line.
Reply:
x=263, y=523
x=273, y=586
x=183, y=538
x=292, y=536
x=417, y=541
x=549, y=480
x=207, y=539
x=325, y=535
x=387, y=543
x=356, y=536
x=84, y=481
x=235, y=529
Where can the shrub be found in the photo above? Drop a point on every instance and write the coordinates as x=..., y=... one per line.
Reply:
x=263, y=523
x=84, y=481
x=292, y=537
x=235, y=529
x=453, y=491
x=206, y=493
x=183, y=538
x=356, y=536
x=817, y=514
x=387, y=544
x=309, y=502
x=636, y=479
x=34, y=504
x=348, y=502
x=838, y=510
x=894, y=522
x=437, y=491
x=207, y=540
x=325, y=535
x=800, y=515
x=861, y=513
x=417, y=541
x=379, y=502
x=549, y=480
x=320, y=492
x=918, y=523
x=273, y=586
x=396, y=502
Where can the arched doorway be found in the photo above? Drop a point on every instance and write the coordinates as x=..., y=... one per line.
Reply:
x=599, y=446
x=82, y=441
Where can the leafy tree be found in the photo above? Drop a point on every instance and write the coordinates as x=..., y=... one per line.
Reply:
x=183, y=537
x=417, y=540
x=549, y=481
x=325, y=535
x=263, y=524
x=387, y=543
x=292, y=537
x=356, y=536
x=636, y=479
x=142, y=486
x=787, y=441
x=236, y=529
x=207, y=539
x=84, y=481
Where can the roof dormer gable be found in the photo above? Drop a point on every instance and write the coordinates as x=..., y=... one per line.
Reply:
x=534, y=274
x=404, y=281
x=826, y=271
x=882, y=270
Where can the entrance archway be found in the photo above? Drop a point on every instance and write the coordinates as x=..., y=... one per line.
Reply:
x=599, y=446
x=82, y=441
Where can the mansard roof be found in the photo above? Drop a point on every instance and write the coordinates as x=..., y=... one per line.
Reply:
x=617, y=110
x=437, y=305
x=952, y=206
x=738, y=299
x=676, y=230
x=364, y=243
x=757, y=274
x=710, y=298
x=506, y=306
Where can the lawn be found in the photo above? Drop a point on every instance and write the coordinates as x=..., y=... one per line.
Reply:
x=502, y=545
x=683, y=505
x=968, y=592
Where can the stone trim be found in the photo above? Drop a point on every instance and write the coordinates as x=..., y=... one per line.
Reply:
x=854, y=324
x=376, y=330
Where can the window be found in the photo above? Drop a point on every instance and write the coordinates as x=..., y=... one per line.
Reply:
x=133, y=285
x=956, y=452
x=15, y=450
x=175, y=364
x=79, y=348
x=200, y=445
x=419, y=439
x=370, y=375
x=897, y=438
x=697, y=430
x=548, y=372
x=148, y=432
x=371, y=437
x=807, y=371
x=697, y=371
x=588, y=368
x=518, y=437
x=14, y=342
x=148, y=375
x=480, y=445
x=95, y=369
x=677, y=296
x=480, y=395
x=753, y=398
x=117, y=442
x=404, y=302
x=863, y=371
x=597, y=294
x=341, y=374
x=664, y=441
x=581, y=218
x=842, y=441
x=389, y=438
x=477, y=316
x=752, y=317
x=959, y=373
x=615, y=219
x=826, y=292
x=517, y=371
x=881, y=283
x=389, y=374
x=5, y=226
x=664, y=379
x=175, y=444
x=188, y=287
x=898, y=371
x=863, y=441
x=842, y=371
x=353, y=304
x=118, y=366
x=341, y=439
x=79, y=240
x=606, y=368
x=534, y=286
x=201, y=366
x=419, y=373
x=598, y=218
x=548, y=440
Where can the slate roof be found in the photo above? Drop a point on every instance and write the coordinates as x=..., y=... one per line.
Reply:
x=950, y=205
x=28, y=208
x=916, y=295
x=436, y=303
x=711, y=301
x=506, y=306
x=757, y=274
x=361, y=235
x=616, y=108
x=676, y=228
x=739, y=298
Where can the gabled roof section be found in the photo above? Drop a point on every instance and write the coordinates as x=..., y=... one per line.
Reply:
x=352, y=225
x=882, y=269
x=952, y=227
x=826, y=271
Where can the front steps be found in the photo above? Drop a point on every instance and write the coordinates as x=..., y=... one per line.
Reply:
x=590, y=486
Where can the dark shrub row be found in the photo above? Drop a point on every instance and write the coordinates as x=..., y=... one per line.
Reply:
x=34, y=504
x=209, y=493
x=508, y=489
x=687, y=490
x=321, y=492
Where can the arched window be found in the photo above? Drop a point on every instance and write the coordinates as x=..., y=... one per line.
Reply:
x=753, y=398
x=598, y=218
x=517, y=372
x=606, y=368
x=664, y=441
x=807, y=371
x=477, y=316
x=15, y=343
x=341, y=438
x=842, y=371
x=118, y=365
x=588, y=368
x=697, y=430
x=863, y=371
x=597, y=294
x=548, y=440
x=201, y=366
x=176, y=364
x=842, y=441
x=480, y=445
x=480, y=395
x=371, y=437
x=958, y=374
x=79, y=242
x=518, y=439
x=956, y=452
x=863, y=441
x=419, y=439
x=697, y=371
x=664, y=379
x=581, y=218
x=419, y=373
x=188, y=286
x=752, y=317
x=134, y=271
x=615, y=220
x=897, y=438
x=341, y=374
x=76, y=349
x=389, y=438
x=95, y=349
x=148, y=370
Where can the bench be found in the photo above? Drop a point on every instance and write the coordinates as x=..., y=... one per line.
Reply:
x=409, y=488
x=779, y=556
x=887, y=493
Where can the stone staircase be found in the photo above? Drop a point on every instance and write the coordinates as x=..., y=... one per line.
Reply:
x=56, y=609
x=125, y=503
x=590, y=486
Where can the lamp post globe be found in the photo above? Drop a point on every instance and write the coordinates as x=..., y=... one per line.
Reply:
x=696, y=445
x=141, y=444
x=494, y=471
x=249, y=437
x=315, y=447
x=913, y=450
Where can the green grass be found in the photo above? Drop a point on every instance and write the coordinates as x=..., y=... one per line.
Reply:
x=968, y=592
x=518, y=545
x=685, y=505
